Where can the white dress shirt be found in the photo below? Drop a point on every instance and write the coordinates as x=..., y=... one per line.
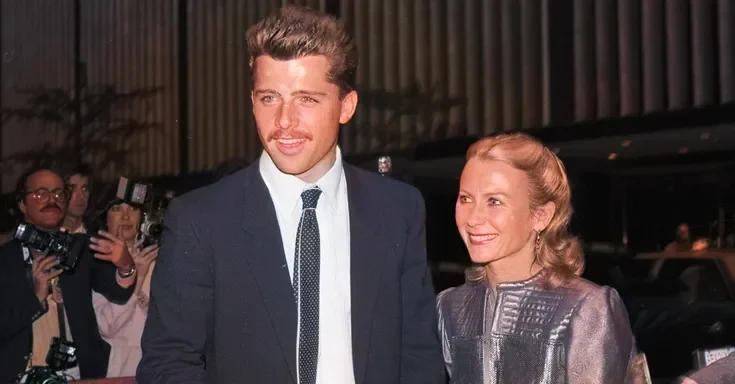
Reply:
x=332, y=212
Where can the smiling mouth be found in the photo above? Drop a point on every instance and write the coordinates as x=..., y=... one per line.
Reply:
x=481, y=239
x=290, y=142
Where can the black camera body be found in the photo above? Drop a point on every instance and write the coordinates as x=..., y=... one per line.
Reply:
x=152, y=228
x=62, y=245
x=62, y=355
x=43, y=375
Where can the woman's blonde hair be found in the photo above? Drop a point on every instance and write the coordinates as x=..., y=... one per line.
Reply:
x=558, y=253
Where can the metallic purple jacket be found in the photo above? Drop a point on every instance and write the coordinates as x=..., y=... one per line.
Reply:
x=523, y=333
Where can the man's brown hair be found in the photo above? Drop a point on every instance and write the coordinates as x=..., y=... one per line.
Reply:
x=293, y=32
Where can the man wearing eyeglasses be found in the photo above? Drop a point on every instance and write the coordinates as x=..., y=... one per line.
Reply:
x=38, y=302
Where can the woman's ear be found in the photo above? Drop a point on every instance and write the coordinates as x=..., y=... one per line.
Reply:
x=543, y=216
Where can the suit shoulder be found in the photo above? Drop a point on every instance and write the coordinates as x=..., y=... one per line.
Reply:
x=9, y=247
x=384, y=184
x=11, y=257
x=215, y=195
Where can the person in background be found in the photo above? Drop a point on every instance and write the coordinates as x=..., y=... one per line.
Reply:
x=38, y=302
x=79, y=182
x=524, y=316
x=121, y=326
x=682, y=242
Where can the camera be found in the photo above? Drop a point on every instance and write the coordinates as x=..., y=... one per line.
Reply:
x=385, y=165
x=62, y=355
x=152, y=227
x=133, y=192
x=62, y=245
x=43, y=375
x=141, y=194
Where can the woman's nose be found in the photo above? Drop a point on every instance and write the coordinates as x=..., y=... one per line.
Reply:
x=477, y=216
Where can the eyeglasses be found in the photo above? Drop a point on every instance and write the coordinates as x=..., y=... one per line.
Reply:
x=43, y=195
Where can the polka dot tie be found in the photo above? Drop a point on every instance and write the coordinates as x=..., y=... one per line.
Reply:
x=306, y=286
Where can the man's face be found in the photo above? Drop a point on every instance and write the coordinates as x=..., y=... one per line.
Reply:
x=45, y=201
x=79, y=200
x=298, y=113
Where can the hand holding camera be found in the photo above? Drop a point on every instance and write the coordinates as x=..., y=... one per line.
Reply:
x=143, y=258
x=43, y=271
x=53, y=254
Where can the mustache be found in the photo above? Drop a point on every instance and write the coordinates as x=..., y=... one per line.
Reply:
x=51, y=206
x=280, y=134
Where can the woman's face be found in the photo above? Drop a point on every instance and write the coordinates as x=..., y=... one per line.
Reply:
x=493, y=211
x=123, y=218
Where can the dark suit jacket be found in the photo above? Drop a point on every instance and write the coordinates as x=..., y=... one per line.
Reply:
x=222, y=308
x=19, y=308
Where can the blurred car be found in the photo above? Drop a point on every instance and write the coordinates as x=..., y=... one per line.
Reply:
x=678, y=303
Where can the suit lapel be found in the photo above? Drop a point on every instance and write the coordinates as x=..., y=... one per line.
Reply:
x=367, y=247
x=264, y=254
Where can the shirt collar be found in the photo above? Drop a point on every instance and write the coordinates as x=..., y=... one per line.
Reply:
x=286, y=189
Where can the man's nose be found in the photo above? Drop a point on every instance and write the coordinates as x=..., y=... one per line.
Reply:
x=286, y=117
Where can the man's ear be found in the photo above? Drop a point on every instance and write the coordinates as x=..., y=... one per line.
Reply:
x=22, y=207
x=349, y=106
x=543, y=216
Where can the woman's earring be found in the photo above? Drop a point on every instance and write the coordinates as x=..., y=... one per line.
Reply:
x=538, y=242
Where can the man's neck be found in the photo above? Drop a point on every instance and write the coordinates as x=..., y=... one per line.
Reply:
x=321, y=168
x=72, y=223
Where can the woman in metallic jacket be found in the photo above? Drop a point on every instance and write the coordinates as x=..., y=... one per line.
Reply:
x=524, y=316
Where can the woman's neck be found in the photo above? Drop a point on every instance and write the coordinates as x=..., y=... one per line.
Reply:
x=516, y=267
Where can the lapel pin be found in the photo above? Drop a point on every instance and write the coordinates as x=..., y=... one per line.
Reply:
x=385, y=165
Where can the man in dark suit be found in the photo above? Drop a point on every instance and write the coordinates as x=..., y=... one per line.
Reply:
x=31, y=311
x=299, y=268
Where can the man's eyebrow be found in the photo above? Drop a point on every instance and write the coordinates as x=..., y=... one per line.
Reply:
x=266, y=91
x=299, y=92
x=308, y=93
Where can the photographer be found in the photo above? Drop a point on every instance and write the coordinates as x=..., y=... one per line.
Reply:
x=121, y=326
x=38, y=302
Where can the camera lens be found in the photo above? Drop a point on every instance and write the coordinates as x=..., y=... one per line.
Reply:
x=155, y=230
